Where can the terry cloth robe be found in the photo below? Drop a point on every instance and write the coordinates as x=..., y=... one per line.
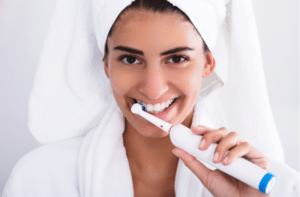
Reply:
x=54, y=170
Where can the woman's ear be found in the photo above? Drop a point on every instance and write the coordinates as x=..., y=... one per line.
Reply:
x=106, y=68
x=209, y=66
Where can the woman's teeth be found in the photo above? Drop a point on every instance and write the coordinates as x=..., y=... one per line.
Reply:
x=158, y=107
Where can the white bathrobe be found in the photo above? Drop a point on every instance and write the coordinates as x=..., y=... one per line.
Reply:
x=59, y=169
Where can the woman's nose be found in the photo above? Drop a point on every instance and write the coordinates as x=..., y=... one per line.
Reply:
x=155, y=83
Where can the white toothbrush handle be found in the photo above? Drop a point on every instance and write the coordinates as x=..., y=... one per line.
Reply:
x=241, y=169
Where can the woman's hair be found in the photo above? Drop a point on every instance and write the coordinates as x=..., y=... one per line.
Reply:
x=161, y=6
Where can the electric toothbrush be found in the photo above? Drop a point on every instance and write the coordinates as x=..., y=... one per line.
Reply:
x=182, y=137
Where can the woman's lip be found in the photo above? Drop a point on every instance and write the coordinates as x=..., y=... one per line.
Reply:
x=163, y=114
x=154, y=102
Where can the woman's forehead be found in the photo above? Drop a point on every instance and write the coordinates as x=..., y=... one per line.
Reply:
x=154, y=28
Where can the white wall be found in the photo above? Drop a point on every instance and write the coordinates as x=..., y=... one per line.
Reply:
x=25, y=24
x=278, y=29
x=23, y=28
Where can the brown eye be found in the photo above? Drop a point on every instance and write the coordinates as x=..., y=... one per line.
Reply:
x=177, y=59
x=130, y=60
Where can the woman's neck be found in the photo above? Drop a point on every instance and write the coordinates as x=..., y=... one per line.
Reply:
x=149, y=158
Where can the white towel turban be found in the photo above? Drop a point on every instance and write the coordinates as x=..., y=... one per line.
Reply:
x=71, y=93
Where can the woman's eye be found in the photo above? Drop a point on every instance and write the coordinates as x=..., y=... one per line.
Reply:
x=177, y=59
x=130, y=60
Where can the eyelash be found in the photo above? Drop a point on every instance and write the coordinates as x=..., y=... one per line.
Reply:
x=122, y=58
x=185, y=58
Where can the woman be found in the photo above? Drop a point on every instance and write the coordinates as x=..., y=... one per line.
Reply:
x=153, y=54
x=166, y=67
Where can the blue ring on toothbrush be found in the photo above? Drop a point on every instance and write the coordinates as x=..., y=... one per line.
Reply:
x=264, y=182
x=143, y=106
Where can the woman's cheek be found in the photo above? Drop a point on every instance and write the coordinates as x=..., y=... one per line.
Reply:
x=122, y=80
x=188, y=80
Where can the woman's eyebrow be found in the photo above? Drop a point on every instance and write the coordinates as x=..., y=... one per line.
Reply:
x=178, y=49
x=131, y=50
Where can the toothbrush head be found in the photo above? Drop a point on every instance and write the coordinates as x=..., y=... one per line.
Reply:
x=136, y=108
x=139, y=108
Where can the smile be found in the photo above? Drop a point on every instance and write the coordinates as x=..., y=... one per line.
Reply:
x=158, y=107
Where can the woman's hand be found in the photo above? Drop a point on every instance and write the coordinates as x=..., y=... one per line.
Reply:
x=218, y=183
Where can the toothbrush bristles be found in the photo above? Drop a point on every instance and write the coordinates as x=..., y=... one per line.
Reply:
x=143, y=106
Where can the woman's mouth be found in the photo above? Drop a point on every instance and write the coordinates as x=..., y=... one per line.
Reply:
x=158, y=107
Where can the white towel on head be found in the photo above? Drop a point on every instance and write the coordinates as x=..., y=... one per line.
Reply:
x=72, y=95
x=71, y=92
x=206, y=15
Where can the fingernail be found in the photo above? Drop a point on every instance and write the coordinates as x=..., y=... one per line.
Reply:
x=202, y=143
x=225, y=161
x=175, y=153
x=201, y=129
x=216, y=157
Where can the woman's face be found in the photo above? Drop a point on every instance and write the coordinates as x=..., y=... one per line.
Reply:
x=156, y=59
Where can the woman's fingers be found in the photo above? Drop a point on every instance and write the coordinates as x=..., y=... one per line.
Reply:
x=212, y=137
x=228, y=142
x=230, y=146
x=201, y=129
x=238, y=151
x=250, y=153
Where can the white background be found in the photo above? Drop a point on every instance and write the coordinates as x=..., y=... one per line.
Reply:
x=24, y=25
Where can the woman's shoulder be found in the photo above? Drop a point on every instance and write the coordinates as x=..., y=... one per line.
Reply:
x=51, y=168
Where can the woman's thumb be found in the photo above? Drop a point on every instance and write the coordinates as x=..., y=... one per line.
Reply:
x=199, y=169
